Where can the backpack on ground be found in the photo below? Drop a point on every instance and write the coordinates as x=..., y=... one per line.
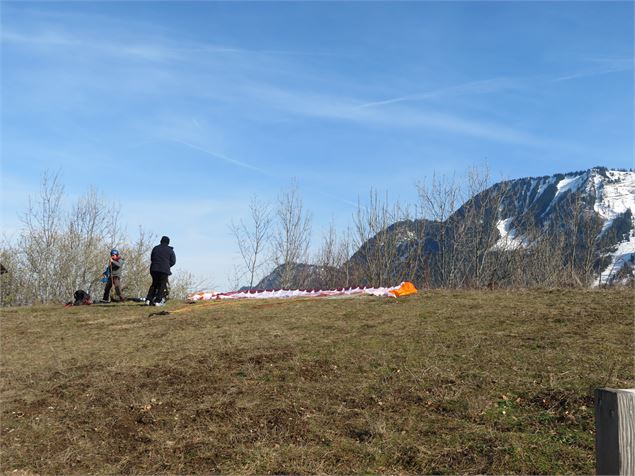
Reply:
x=81, y=298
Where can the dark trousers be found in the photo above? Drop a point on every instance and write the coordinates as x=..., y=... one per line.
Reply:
x=157, y=288
x=116, y=280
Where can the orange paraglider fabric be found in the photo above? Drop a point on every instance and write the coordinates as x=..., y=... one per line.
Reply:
x=405, y=289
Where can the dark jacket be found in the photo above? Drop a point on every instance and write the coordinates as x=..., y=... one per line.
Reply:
x=117, y=267
x=162, y=259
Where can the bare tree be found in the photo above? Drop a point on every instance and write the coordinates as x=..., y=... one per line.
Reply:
x=332, y=259
x=344, y=251
x=39, y=243
x=82, y=241
x=438, y=200
x=378, y=245
x=251, y=237
x=479, y=228
x=585, y=247
x=291, y=238
x=58, y=252
x=234, y=277
x=461, y=216
x=12, y=280
x=137, y=255
x=182, y=283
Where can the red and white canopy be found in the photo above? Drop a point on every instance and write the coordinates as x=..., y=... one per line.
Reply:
x=403, y=289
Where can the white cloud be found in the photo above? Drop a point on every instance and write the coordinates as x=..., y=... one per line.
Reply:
x=221, y=79
x=327, y=106
x=87, y=46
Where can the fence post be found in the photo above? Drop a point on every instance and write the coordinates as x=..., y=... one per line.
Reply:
x=615, y=431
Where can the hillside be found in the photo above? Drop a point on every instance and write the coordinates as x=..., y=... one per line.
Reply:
x=607, y=195
x=580, y=223
x=573, y=229
x=441, y=382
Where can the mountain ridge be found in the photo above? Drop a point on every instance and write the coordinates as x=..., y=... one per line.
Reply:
x=586, y=218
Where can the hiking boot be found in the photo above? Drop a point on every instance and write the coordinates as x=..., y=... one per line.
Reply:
x=160, y=303
x=104, y=301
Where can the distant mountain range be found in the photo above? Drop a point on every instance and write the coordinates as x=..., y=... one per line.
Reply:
x=579, y=223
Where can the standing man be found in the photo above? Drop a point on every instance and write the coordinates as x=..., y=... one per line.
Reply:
x=161, y=260
x=112, y=274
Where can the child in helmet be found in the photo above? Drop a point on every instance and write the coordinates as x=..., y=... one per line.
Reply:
x=112, y=275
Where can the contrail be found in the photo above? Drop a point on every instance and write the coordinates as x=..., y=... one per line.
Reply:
x=220, y=156
x=251, y=167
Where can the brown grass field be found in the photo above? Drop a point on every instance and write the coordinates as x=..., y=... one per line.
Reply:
x=459, y=382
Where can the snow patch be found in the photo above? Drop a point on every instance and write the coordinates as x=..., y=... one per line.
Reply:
x=613, y=197
x=509, y=239
x=616, y=195
x=407, y=235
x=570, y=184
x=567, y=184
x=625, y=253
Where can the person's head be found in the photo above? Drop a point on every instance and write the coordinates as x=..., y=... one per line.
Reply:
x=114, y=254
x=165, y=240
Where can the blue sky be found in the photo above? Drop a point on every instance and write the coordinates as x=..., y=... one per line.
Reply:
x=181, y=111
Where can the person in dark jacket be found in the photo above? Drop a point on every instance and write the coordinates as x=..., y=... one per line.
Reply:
x=112, y=275
x=161, y=260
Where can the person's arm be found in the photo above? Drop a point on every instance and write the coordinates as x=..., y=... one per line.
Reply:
x=172, y=258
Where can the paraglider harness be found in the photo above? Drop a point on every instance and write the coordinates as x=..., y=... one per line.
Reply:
x=81, y=298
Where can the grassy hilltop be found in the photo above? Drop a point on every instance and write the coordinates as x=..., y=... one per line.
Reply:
x=440, y=382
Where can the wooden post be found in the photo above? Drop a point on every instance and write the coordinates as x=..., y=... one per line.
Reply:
x=615, y=431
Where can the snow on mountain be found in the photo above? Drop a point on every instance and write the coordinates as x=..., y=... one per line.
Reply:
x=509, y=239
x=620, y=259
x=612, y=193
x=615, y=196
x=570, y=184
x=607, y=194
x=522, y=208
x=567, y=184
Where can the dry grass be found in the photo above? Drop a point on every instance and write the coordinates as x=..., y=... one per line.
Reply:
x=442, y=382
